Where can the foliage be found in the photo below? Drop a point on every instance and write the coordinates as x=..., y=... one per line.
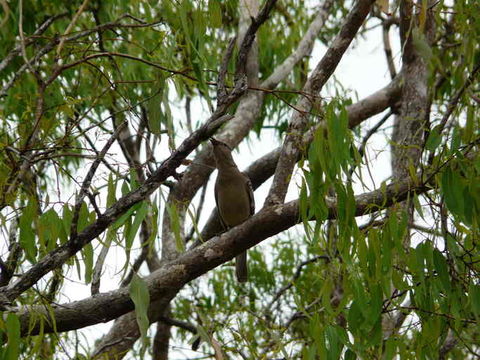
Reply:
x=399, y=279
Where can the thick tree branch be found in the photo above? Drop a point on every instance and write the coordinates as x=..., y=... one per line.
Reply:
x=192, y=264
x=412, y=122
x=224, y=98
x=303, y=49
x=57, y=257
x=263, y=168
x=314, y=84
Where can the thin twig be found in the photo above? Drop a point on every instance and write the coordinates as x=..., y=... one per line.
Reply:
x=97, y=270
x=368, y=135
x=23, y=42
x=97, y=153
x=222, y=73
x=388, y=49
x=295, y=277
x=178, y=323
x=197, y=214
x=28, y=41
x=452, y=104
x=88, y=179
x=70, y=26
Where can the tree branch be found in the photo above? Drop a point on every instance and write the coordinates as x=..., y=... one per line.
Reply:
x=263, y=168
x=50, y=46
x=314, y=84
x=192, y=264
x=303, y=49
x=88, y=179
x=57, y=257
x=28, y=41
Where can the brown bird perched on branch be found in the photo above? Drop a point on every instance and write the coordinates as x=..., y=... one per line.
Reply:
x=234, y=197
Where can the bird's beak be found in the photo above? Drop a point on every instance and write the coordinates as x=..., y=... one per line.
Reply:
x=214, y=141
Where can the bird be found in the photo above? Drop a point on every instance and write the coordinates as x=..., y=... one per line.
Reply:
x=233, y=196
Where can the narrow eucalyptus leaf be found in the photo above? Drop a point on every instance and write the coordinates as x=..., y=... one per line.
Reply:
x=140, y=296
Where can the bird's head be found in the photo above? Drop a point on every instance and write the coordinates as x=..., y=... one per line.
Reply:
x=222, y=153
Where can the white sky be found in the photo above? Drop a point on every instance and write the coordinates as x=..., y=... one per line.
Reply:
x=363, y=70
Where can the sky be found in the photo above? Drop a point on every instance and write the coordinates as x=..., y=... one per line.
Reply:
x=362, y=71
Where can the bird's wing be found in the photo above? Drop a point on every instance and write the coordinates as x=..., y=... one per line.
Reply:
x=249, y=189
x=225, y=227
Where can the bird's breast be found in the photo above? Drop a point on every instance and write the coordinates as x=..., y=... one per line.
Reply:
x=233, y=201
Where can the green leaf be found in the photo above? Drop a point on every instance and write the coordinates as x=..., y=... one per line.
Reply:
x=88, y=262
x=355, y=318
x=125, y=188
x=303, y=207
x=203, y=334
x=215, y=13
x=452, y=189
x=474, y=294
x=121, y=220
x=442, y=269
x=140, y=296
x=456, y=140
x=468, y=205
x=421, y=45
x=67, y=217
x=374, y=310
x=335, y=337
x=155, y=114
x=350, y=355
x=27, y=234
x=13, y=333
x=398, y=280
x=434, y=138
x=418, y=206
x=83, y=217
x=134, y=184
x=139, y=217
x=175, y=222
x=111, y=190
x=390, y=346
x=52, y=225
x=168, y=120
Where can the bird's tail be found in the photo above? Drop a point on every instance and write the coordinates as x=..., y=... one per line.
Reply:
x=241, y=267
